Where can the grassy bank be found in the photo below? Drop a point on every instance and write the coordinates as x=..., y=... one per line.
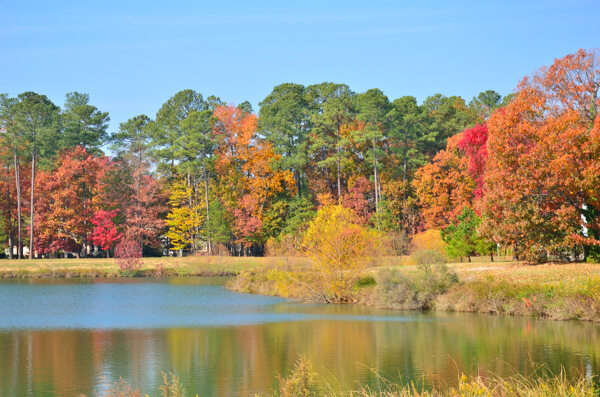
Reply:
x=555, y=291
x=301, y=381
x=151, y=267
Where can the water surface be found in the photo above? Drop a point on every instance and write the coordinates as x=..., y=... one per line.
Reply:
x=65, y=337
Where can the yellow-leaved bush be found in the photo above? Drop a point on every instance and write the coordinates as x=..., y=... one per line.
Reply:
x=341, y=249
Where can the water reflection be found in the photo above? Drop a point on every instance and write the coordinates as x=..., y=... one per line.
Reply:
x=226, y=360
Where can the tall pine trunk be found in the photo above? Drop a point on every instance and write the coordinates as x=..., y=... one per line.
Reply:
x=207, y=210
x=18, y=186
x=32, y=208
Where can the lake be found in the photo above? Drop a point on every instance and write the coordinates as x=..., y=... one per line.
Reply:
x=66, y=337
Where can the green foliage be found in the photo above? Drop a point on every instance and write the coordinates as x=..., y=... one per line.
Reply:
x=462, y=238
x=83, y=124
x=217, y=227
x=418, y=291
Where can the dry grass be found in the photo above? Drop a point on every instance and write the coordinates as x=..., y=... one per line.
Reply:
x=189, y=265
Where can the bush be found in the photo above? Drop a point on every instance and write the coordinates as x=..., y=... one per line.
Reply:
x=299, y=382
x=428, y=257
x=399, y=291
x=128, y=256
x=284, y=245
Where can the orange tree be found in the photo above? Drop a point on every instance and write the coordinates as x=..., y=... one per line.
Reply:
x=341, y=249
x=248, y=180
x=543, y=169
x=444, y=186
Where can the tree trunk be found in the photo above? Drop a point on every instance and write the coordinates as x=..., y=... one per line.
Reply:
x=206, y=199
x=18, y=186
x=339, y=186
x=469, y=257
x=32, y=208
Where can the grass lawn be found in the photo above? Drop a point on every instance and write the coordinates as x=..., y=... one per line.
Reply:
x=189, y=265
x=480, y=268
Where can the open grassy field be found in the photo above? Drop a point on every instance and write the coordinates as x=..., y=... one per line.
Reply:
x=107, y=267
x=480, y=268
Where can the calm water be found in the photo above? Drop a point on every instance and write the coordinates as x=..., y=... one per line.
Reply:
x=62, y=338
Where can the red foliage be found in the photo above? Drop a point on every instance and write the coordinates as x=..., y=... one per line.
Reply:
x=105, y=232
x=473, y=144
x=65, y=202
x=357, y=199
x=144, y=209
x=128, y=254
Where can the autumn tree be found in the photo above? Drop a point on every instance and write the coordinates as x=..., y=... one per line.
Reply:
x=105, y=233
x=542, y=173
x=185, y=220
x=341, y=249
x=65, y=205
x=249, y=182
x=444, y=187
x=473, y=143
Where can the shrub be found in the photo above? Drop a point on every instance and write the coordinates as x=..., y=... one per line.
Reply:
x=299, y=382
x=419, y=291
x=122, y=389
x=428, y=257
x=128, y=256
x=171, y=387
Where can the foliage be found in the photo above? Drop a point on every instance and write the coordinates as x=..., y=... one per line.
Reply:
x=473, y=144
x=171, y=387
x=299, y=382
x=65, y=205
x=128, y=254
x=462, y=238
x=105, y=232
x=444, y=187
x=417, y=292
x=429, y=240
x=185, y=218
x=543, y=163
x=427, y=257
x=341, y=249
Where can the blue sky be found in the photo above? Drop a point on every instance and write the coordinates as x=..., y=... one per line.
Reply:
x=132, y=56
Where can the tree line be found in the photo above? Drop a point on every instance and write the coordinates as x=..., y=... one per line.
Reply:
x=203, y=175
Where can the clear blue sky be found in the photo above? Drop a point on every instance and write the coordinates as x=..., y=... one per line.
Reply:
x=132, y=56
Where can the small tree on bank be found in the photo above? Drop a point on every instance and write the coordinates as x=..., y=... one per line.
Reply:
x=462, y=239
x=341, y=249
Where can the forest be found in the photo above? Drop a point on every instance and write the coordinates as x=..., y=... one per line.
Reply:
x=517, y=173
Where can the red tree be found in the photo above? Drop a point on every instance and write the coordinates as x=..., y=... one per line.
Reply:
x=357, y=199
x=105, y=232
x=473, y=144
x=65, y=202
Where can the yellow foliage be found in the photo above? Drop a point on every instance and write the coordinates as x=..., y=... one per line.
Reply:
x=186, y=216
x=429, y=240
x=341, y=249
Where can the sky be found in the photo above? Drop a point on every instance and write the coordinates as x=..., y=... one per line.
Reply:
x=131, y=56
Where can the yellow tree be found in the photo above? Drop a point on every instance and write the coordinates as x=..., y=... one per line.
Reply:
x=341, y=249
x=185, y=218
